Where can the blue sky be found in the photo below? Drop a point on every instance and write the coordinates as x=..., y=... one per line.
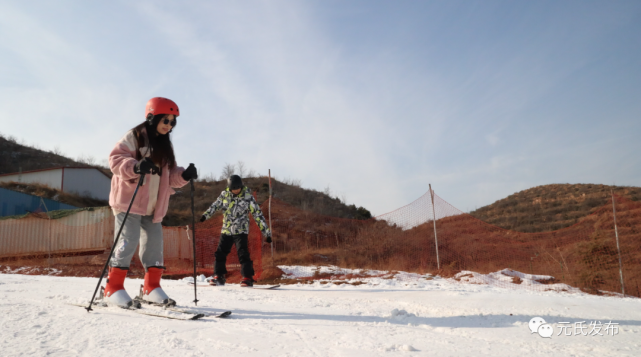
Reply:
x=373, y=99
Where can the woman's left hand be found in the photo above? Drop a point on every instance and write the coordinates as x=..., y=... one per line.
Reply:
x=190, y=173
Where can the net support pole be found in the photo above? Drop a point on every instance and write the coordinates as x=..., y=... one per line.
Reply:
x=270, y=214
x=438, y=261
x=616, y=234
x=50, y=232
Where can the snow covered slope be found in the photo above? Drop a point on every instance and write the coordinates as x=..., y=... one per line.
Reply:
x=381, y=317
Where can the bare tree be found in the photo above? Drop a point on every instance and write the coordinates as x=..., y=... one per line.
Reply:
x=87, y=159
x=57, y=151
x=209, y=177
x=228, y=170
x=290, y=181
x=104, y=163
x=242, y=168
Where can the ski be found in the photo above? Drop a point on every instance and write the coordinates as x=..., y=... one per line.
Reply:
x=223, y=315
x=266, y=287
x=172, y=307
x=196, y=311
x=258, y=287
x=185, y=310
x=168, y=314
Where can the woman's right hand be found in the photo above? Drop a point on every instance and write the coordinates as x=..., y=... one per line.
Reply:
x=146, y=166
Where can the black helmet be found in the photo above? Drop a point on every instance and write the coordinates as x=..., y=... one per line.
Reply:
x=234, y=182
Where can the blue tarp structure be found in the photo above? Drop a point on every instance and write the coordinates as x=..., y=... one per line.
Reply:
x=13, y=203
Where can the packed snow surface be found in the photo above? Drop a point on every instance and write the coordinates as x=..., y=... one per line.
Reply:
x=385, y=314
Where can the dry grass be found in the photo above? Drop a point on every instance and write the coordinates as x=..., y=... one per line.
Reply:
x=271, y=275
x=551, y=207
x=15, y=155
x=583, y=255
x=207, y=191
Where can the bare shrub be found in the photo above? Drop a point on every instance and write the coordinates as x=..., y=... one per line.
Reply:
x=87, y=159
x=207, y=178
x=241, y=169
x=228, y=170
x=57, y=151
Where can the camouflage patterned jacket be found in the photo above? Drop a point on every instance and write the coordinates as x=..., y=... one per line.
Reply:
x=235, y=209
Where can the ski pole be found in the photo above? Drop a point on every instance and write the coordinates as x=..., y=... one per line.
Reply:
x=270, y=215
x=193, y=233
x=142, y=178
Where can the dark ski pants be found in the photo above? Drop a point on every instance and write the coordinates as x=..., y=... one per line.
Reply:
x=224, y=247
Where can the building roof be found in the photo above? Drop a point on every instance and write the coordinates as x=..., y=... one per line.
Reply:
x=58, y=168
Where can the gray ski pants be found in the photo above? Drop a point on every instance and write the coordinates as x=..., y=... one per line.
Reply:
x=138, y=229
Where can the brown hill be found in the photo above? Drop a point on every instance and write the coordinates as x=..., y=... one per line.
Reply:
x=551, y=207
x=584, y=255
x=14, y=156
x=207, y=191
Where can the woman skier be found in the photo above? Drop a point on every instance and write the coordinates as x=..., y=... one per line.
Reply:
x=235, y=202
x=144, y=149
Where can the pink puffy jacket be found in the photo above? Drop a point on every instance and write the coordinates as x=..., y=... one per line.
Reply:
x=123, y=184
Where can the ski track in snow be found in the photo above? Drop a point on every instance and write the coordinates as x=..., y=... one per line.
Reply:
x=383, y=317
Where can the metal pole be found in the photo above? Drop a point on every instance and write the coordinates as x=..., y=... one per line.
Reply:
x=124, y=219
x=616, y=233
x=270, y=214
x=193, y=241
x=50, y=235
x=438, y=261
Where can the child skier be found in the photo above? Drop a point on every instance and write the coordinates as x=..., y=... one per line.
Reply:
x=144, y=149
x=235, y=202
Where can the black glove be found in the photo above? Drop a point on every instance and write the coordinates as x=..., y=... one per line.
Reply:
x=268, y=239
x=190, y=173
x=203, y=218
x=146, y=166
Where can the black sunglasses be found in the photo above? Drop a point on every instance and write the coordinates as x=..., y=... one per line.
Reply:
x=170, y=122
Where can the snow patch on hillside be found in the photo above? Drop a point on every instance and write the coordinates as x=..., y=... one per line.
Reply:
x=512, y=279
x=502, y=279
x=29, y=270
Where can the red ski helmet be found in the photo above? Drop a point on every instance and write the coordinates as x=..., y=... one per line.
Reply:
x=160, y=105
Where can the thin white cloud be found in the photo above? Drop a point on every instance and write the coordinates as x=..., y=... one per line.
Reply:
x=293, y=114
x=375, y=102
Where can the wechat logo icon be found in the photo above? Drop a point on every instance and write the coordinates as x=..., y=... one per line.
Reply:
x=538, y=325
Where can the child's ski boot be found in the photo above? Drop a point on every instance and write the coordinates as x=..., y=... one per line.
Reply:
x=217, y=281
x=247, y=282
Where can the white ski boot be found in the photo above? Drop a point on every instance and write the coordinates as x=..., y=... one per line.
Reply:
x=151, y=292
x=115, y=293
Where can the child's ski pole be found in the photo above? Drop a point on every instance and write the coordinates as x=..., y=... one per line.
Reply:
x=270, y=215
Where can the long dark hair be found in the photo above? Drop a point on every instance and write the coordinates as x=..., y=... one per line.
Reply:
x=162, y=151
